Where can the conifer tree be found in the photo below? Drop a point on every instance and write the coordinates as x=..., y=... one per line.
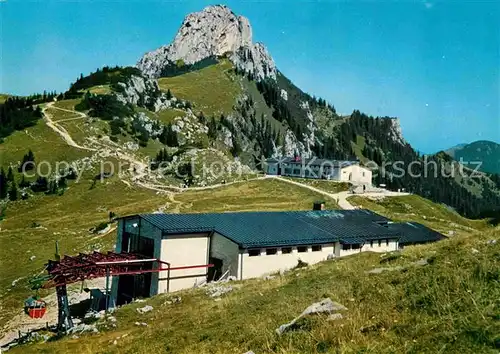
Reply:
x=13, y=194
x=10, y=175
x=212, y=128
x=3, y=184
x=23, y=183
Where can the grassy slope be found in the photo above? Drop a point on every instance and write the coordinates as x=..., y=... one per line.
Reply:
x=68, y=104
x=213, y=89
x=3, y=97
x=43, y=141
x=100, y=90
x=325, y=185
x=67, y=218
x=416, y=208
x=254, y=195
x=449, y=306
x=165, y=116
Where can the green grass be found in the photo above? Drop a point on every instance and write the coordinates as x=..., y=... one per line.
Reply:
x=165, y=116
x=268, y=194
x=3, y=97
x=416, y=208
x=67, y=104
x=325, y=185
x=448, y=306
x=213, y=89
x=358, y=147
x=57, y=114
x=100, y=90
x=43, y=141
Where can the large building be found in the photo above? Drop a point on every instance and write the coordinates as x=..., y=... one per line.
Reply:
x=247, y=244
x=342, y=171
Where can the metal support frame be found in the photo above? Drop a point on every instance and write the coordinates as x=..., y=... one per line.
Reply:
x=64, y=321
x=67, y=270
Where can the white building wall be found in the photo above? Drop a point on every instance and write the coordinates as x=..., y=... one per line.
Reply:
x=348, y=252
x=226, y=250
x=257, y=266
x=356, y=173
x=385, y=246
x=184, y=250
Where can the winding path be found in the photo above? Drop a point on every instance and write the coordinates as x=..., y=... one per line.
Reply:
x=341, y=197
x=61, y=130
x=140, y=167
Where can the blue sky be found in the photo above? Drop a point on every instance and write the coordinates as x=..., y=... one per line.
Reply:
x=435, y=65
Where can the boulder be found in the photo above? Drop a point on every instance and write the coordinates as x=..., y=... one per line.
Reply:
x=145, y=309
x=216, y=290
x=324, y=306
x=384, y=269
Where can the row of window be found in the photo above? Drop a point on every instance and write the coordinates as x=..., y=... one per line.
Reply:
x=358, y=246
x=303, y=249
x=284, y=250
x=379, y=243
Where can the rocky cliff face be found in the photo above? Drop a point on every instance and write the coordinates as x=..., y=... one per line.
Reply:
x=396, y=132
x=215, y=31
x=144, y=92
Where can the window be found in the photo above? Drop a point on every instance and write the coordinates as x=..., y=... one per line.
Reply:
x=387, y=242
x=380, y=243
x=363, y=174
x=316, y=248
x=286, y=250
x=356, y=246
x=346, y=247
x=253, y=253
x=371, y=244
x=271, y=251
x=302, y=249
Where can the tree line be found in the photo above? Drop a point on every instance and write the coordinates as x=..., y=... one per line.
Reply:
x=105, y=76
x=18, y=113
x=14, y=185
x=435, y=181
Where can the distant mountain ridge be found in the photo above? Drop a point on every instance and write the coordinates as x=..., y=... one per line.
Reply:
x=484, y=151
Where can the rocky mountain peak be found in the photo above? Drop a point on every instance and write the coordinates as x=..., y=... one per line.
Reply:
x=212, y=32
x=395, y=131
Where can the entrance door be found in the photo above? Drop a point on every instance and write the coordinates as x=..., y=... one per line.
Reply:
x=139, y=285
x=215, y=272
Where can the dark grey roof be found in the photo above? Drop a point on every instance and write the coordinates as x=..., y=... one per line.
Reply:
x=261, y=229
x=413, y=232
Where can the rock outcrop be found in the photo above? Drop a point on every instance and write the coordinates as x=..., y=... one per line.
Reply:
x=396, y=132
x=142, y=92
x=213, y=32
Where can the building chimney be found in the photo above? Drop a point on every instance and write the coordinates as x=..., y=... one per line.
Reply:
x=319, y=205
